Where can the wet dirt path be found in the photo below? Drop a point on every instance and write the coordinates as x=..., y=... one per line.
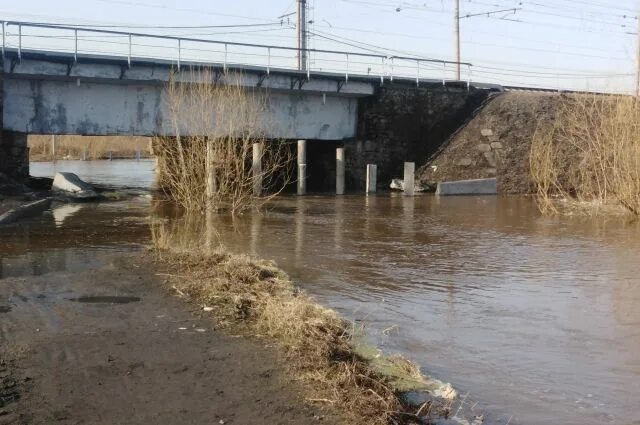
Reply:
x=109, y=345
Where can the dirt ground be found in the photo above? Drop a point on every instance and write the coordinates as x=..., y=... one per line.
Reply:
x=112, y=346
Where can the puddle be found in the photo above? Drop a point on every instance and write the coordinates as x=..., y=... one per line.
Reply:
x=5, y=309
x=106, y=300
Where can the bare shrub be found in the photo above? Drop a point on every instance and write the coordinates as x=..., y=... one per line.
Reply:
x=208, y=164
x=588, y=159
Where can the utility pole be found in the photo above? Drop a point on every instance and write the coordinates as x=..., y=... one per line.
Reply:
x=302, y=35
x=456, y=36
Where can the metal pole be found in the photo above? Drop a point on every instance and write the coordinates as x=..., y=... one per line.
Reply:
x=129, y=57
x=19, y=41
x=3, y=40
x=75, y=53
x=179, y=53
x=302, y=35
x=456, y=26
x=53, y=147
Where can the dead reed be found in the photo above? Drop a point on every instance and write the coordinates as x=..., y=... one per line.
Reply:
x=321, y=347
x=588, y=160
x=218, y=131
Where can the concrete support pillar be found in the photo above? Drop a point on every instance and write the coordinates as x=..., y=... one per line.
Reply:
x=257, y=169
x=302, y=167
x=339, y=171
x=372, y=178
x=211, y=175
x=409, y=178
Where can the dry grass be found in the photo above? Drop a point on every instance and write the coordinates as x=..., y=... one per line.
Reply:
x=96, y=147
x=321, y=347
x=218, y=131
x=588, y=160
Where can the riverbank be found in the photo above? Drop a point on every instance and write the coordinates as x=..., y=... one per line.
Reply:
x=126, y=351
x=322, y=349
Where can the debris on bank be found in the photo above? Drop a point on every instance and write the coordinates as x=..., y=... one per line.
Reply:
x=398, y=184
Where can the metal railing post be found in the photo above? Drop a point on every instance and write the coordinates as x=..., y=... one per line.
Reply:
x=382, y=71
x=391, y=70
x=129, y=56
x=417, y=72
x=346, y=75
x=3, y=40
x=226, y=51
x=444, y=74
x=268, y=60
x=19, y=42
x=469, y=78
x=179, y=52
x=308, y=59
x=75, y=52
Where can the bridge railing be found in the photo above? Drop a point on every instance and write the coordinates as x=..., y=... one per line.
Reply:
x=79, y=40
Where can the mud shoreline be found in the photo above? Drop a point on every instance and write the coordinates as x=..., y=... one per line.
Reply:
x=134, y=354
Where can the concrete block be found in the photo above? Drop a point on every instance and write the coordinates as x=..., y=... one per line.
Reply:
x=71, y=184
x=468, y=187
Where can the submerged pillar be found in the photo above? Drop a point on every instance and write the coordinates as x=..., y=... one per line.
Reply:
x=409, y=178
x=372, y=178
x=302, y=167
x=339, y=171
x=257, y=169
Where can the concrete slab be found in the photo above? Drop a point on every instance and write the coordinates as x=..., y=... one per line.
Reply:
x=468, y=187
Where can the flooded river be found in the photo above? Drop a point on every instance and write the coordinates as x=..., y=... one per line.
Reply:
x=534, y=320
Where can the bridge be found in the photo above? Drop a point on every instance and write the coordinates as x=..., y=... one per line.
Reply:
x=72, y=80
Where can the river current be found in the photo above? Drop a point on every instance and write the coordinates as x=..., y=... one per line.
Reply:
x=534, y=320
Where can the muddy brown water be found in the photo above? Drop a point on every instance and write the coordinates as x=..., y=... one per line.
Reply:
x=534, y=320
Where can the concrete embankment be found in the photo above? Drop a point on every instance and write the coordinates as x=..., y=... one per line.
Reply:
x=494, y=143
x=24, y=211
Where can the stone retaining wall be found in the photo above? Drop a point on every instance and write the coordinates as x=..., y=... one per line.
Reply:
x=402, y=123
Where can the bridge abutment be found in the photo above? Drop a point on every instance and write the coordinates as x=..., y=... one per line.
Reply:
x=404, y=123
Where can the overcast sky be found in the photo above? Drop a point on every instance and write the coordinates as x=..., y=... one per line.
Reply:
x=581, y=44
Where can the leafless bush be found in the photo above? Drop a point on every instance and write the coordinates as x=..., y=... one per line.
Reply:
x=588, y=160
x=217, y=125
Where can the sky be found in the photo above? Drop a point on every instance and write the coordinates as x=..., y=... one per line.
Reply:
x=567, y=44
